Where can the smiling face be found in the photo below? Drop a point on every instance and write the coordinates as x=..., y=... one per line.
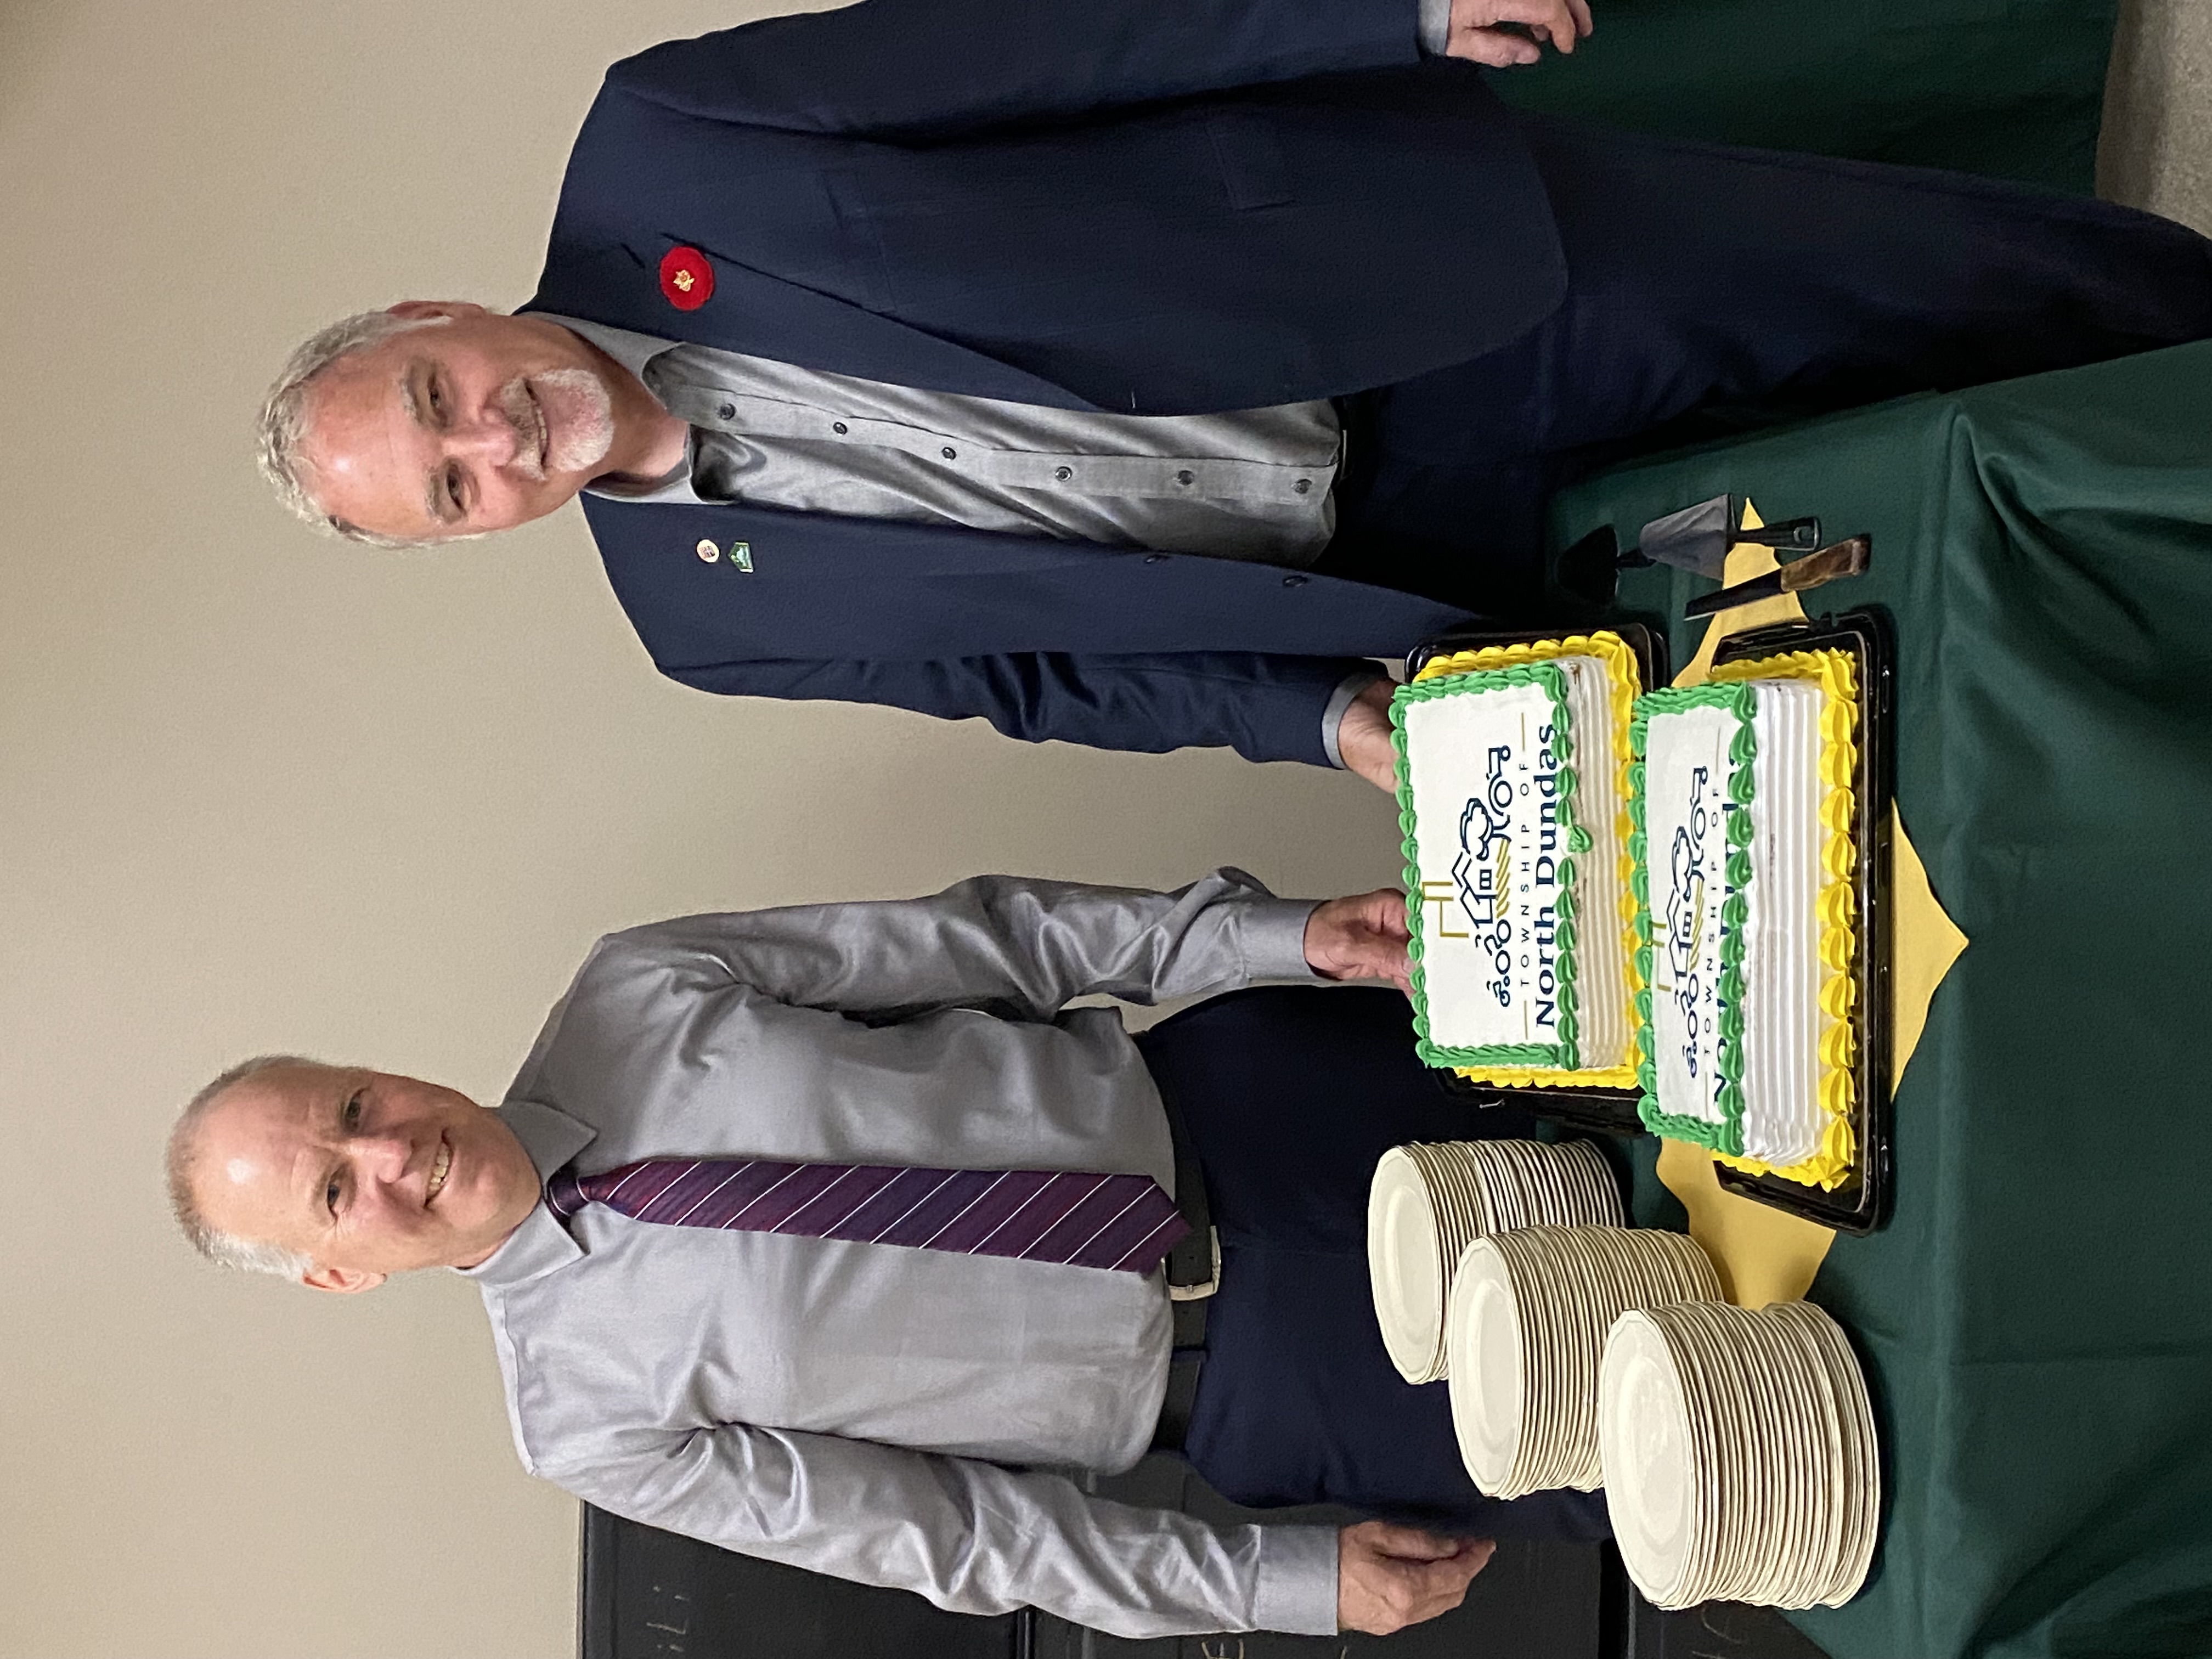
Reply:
x=364, y=1173
x=481, y=421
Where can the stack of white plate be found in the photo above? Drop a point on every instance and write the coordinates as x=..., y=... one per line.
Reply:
x=1525, y=1325
x=1429, y=1200
x=1739, y=1456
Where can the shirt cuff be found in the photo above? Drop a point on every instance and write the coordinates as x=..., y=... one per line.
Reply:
x=1274, y=938
x=1433, y=26
x=1298, y=1581
x=1332, y=716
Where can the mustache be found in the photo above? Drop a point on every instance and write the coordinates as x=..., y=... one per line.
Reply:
x=520, y=411
x=585, y=431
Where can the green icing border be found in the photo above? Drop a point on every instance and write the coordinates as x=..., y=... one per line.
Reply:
x=1726, y=1136
x=1564, y=1054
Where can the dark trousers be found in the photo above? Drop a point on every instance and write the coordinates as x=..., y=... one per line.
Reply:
x=1290, y=1094
x=1712, y=290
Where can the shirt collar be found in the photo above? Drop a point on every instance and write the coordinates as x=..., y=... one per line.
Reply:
x=626, y=346
x=541, y=1244
x=634, y=350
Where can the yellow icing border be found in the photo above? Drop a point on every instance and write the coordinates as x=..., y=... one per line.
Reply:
x=1625, y=677
x=1836, y=675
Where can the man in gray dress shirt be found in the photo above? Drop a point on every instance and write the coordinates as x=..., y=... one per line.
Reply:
x=868, y=1410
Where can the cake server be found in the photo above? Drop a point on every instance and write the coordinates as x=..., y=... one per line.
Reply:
x=1849, y=558
x=1697, y=538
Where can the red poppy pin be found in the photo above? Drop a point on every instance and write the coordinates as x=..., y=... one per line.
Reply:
x=686, y=279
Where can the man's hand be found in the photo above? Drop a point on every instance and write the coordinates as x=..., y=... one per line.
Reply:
x=1474, y=31
x=1389, y=1578
x=1362, y=937
x=1363, y=737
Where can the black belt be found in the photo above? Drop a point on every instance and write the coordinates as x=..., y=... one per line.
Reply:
x=1193, y=1274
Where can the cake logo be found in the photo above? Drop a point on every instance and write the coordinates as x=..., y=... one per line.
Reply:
x=1514, y=806
x=1684, y=918
x=1483, y=867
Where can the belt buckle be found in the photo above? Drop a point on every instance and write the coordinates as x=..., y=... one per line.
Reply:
x=1200, y=1292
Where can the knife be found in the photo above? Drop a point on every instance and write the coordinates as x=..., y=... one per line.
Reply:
x=1849, y=558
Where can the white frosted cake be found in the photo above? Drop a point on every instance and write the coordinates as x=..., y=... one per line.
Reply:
x=1512, y=790
x=1746, y=883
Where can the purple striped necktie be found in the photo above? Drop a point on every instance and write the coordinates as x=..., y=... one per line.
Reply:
x=1111, y=1221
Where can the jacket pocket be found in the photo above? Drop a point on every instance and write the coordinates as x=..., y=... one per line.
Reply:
x=1250, y=157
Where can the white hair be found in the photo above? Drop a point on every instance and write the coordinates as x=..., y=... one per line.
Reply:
x=283, y=429
x=227, y=1249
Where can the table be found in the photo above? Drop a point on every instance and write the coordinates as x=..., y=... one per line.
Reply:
x=2037, y=1318
x=2013, y=88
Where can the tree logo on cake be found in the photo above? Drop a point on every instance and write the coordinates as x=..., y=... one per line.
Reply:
x=1485, y=849
x=1483, y=872
x=1684, y=918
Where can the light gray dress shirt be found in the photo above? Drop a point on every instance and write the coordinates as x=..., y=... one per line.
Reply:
x=1256, y=484
x=865, y=1410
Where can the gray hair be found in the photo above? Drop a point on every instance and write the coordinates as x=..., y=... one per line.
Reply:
x=227, y=1249
x=284, y=425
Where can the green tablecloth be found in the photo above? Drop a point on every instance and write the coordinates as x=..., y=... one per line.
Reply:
x=2013, y=88
x=2037, y=1319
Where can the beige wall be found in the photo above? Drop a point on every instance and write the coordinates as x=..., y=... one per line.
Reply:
x=259, y=790
x=2156, y=151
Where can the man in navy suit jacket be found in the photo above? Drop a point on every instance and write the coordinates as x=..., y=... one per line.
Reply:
x=846, y=314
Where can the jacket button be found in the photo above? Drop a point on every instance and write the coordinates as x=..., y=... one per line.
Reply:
x=707, y=552
x=1063, y=473
x=1185, y=477
x=1156, y=558
x=1294, y=581
x=727, y=411
x=839, y=428
x=950, y=452
x=1303, y=485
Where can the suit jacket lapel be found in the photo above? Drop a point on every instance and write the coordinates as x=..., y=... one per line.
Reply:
x=765, y=316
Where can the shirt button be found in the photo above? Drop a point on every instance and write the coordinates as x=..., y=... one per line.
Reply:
x=1185, y=477
x=1063, y=473
x=727, y=411
x=1303, y=485
x=707, y=552
x=839, y=428
x=950, y=452
x=1294, y=581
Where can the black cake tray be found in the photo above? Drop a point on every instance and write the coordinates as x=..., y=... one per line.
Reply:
x=1862, y=1204
x=1593, y=1110
x=1650, y=647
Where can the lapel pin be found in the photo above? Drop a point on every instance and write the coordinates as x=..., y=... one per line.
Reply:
x=741, y=554
x=687, y=280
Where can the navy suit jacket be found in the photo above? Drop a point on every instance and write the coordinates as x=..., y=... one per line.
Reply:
x=1160, y=209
